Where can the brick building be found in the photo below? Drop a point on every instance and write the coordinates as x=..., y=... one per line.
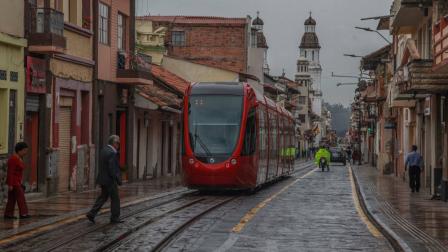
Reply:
x=119, y=70
x=236, y=45
x=214, y=41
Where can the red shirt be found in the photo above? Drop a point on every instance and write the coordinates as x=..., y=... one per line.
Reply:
x=15, y=171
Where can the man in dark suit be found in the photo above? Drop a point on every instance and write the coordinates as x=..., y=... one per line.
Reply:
x=109, y=178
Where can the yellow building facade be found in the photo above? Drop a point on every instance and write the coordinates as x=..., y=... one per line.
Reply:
x=12, y=91
x=150, y=41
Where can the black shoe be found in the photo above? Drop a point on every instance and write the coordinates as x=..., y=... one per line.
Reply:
x=9, y=217
x=116, y=221
x=25, y=216
x=413, y=190
x=91, y=218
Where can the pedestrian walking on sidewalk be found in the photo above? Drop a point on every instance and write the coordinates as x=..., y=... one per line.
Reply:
x=349, y=155
x=414, y=162
x=14, y=181
x=109, y=178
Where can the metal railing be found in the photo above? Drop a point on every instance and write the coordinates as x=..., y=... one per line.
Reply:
x=133, y=61
x=46, y=20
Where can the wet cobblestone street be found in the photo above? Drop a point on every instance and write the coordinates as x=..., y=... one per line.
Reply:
x=310, y=211
x=317, y=213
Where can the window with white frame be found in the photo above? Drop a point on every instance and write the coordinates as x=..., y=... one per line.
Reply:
x=103, y=24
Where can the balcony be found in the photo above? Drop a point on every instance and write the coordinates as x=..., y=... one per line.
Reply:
x=407, y=14
x=418, y=77
x=46, y=29
x=441, y=45
x=134, y=68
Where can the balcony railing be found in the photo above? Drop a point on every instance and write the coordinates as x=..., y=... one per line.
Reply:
x=441, y=44
x=133, y=65
x=46, y=29
x=418, y=76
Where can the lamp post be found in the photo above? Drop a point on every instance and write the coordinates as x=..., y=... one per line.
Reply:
x=346, y=84
x=352, y=55
x=370, y=30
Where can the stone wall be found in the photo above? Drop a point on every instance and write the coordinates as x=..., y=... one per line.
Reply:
x=3, y=186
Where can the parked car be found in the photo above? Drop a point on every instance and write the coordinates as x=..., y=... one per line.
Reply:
x=338, y=155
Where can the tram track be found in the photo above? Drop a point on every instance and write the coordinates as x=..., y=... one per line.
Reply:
x=160, y=243
x=84, y=236
x=61, y=238
x=109, y=237
x=165, y=241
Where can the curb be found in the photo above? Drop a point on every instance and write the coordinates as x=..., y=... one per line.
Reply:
x=396, y=242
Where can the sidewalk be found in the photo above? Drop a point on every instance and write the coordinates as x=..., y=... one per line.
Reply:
x=47, y=211
x=413, y=219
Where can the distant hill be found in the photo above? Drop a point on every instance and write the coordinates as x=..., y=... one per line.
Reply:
x=340, y=118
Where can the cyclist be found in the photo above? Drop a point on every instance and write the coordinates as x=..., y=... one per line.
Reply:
x=322, y=158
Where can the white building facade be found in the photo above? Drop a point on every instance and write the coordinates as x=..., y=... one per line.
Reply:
x=310, y=50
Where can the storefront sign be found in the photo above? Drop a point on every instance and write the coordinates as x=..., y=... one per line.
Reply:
x=35, y=75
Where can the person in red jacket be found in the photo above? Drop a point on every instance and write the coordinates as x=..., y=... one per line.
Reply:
x=14, y=181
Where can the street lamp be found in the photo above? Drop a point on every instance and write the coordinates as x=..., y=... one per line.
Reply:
x=350, y=76
x=346, y=84
x=370, y=30
x=353, y=56
x=376, y=18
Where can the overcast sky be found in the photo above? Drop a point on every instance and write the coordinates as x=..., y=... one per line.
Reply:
x=284, y=27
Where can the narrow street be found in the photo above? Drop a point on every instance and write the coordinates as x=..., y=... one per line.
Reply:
x=194, y=125
x=315, y=212
x=312, y=210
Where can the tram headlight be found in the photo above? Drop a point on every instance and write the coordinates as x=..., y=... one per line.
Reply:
x=191, y=161
x=233, y=161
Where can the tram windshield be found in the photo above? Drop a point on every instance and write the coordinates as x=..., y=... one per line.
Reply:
x=214, y=124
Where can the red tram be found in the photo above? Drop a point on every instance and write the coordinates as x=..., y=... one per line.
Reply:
x=234, y=137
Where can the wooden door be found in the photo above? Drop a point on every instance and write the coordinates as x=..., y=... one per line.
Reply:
x=32, y=138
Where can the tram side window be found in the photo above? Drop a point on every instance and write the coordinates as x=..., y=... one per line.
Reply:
x=250, y=137
x=182, y=140
x=282, y=150
x=273, y=119
x=263, y=133
x=261, y=129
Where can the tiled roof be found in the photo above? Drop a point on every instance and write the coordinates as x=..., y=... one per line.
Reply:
x=169, y=78
x=195, y=20
x=159, y=96
x=272, y=89
x=370, y=62
x=218, y=65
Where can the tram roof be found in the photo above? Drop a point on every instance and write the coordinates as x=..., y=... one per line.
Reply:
x=270, y=103
x=218, y=88
x=235, y=88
